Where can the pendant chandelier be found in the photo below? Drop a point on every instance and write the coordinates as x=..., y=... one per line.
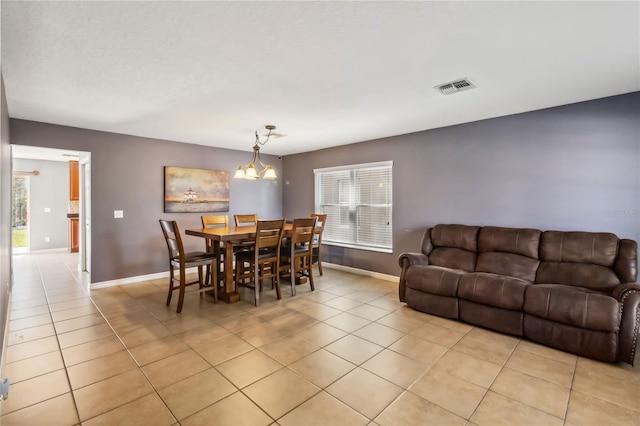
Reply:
x=249, y=171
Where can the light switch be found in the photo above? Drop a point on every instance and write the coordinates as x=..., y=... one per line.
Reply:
x=118, y=214
x=47, y=209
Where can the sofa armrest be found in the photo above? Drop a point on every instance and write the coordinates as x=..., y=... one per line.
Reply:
x=405, y=260
x=629, y=297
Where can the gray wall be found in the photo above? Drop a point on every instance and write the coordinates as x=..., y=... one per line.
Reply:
x=48, y=189
x=5, y=222
x=574, y=167
x=127, y=174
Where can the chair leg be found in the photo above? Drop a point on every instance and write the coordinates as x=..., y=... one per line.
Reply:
x=170, y=285
x=319, y=261
x=310, y=272
x=214, y=279
x=181, y=296
x=256, y=285
x=200, y=281
x=276, y=280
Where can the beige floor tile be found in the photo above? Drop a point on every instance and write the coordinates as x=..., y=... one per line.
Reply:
x=339, y=290
x=612, y=383
x=355, y=390
x=187, y=322
x=538, y=393
x=248, y=368
x=343, y=303
x=240, y=322
x=97, y=369
x=322, y=368
x=144, y=334
x=148, y=410
x=497, y=409
x=32, y=348
x=280, y=392
x=70, y=304
x=547, y=352
x=476, y=371
x=59, y=411
x=379, y=334
x=29, y=334
x=369, y=312
x=354, y=349
x=28, y=312
x=347, y=322
x=175, y=368
x=321, y=334
x=33, y=321
x=323, y=409
x=78, y=323
x=419, y=349
x=451, y=324
x=479, y=347
x=196, y=392
x=396, y=368
x=437, y=334
x=198, y=336
x=74, y=313
x=541, y=367
x=269, y=312
x=91, y=350
x=400, y=322
x=321, y=312
x=320, y=296
x=387, y=303
x=234, y=410
x=587, y=410
x=84, y=335
x=289, y=349
x=33, y=367
x=293, y=322
x=103, y=396
x=449, y=392
x=261, y=334
x=35, y=390
x=223, y=349
x=411, y=410
x=157, y=349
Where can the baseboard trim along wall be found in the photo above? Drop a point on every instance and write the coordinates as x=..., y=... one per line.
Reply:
x=160, y=275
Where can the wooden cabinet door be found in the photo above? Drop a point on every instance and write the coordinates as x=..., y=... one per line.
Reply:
x=74, y=181
x=74, y=235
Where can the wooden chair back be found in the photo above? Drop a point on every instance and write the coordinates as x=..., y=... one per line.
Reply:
x=246, y=219
x=303, y=231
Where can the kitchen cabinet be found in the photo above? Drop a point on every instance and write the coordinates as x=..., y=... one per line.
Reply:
x=74, y=181
x=74, y=234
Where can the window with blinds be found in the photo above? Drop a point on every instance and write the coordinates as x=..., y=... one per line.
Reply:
x=358, y=203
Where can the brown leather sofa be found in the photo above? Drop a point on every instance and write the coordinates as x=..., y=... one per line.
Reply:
x=574, y=291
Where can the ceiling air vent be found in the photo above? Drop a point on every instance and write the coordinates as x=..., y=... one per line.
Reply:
x=455, y=86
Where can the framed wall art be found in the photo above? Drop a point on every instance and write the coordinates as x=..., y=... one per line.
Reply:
x=195, y=190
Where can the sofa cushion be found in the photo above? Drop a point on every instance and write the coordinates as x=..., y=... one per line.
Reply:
x=598, y=248
x=594, y=277
x=454, y=258
x=575, y=306
x=433, y=279
x=522, y=241
x=509, y=264
x=457, y=236
x=493, y=290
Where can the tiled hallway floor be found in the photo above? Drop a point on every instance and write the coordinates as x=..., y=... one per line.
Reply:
x=348, y=353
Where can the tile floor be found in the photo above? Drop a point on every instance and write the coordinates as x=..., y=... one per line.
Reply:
x=348, y=353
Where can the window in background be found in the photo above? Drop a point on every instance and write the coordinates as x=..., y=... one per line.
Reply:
x=358, y=202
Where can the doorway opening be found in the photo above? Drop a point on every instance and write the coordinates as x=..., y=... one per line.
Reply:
x=20, y=213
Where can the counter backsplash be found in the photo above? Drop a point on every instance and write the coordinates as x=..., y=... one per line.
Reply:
x=73, y=207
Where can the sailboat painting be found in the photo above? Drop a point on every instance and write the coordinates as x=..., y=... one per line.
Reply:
x=195, y=190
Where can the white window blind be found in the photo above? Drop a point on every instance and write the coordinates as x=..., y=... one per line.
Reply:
x=358, y=203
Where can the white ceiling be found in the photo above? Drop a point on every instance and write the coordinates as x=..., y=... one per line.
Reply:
x=326, y=73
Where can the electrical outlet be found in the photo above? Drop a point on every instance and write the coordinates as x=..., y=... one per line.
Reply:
x=47, y=239
x=47, y=209
x=118, y=214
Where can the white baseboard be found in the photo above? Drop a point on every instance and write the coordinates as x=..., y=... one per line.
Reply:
x=159, y=275
x=358, y=271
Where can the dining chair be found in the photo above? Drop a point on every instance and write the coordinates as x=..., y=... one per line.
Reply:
x=180, y=260
x=296, y=255
x=214, y=221
x=263, y=261
x=316, y=247
x=245, y=219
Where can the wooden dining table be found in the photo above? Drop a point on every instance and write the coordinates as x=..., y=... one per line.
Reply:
x=229, y=235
